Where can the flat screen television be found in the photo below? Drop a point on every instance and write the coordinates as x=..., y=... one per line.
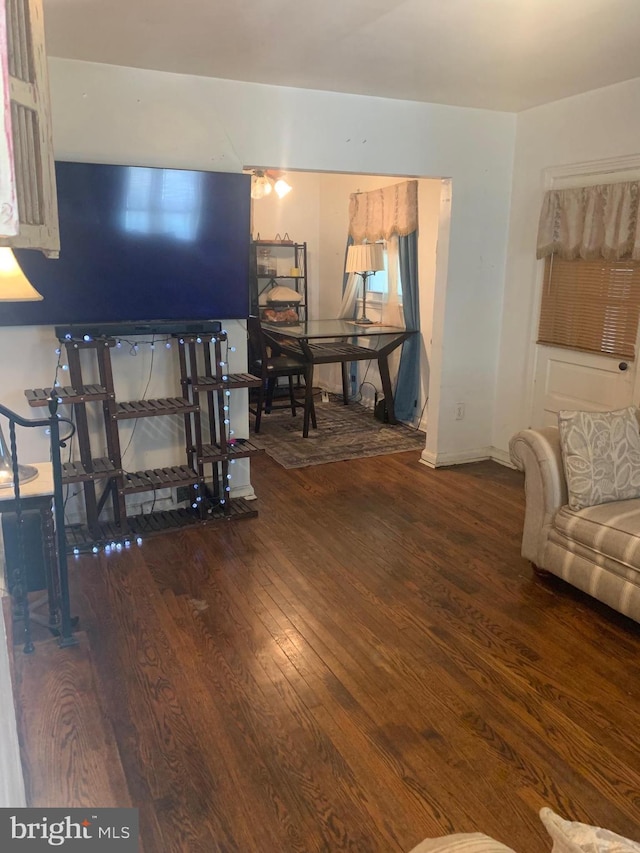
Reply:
x=141, y=245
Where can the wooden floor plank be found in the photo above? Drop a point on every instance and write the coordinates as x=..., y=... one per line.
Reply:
x=367, y=662
x=82, y=760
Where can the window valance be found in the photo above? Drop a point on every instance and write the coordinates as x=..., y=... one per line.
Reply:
x=591, y=222
x=381, y=213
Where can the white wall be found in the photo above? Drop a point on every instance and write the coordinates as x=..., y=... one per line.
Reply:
x=595, y=126
x=109, y=114
x=298, y=215
x=317, y=211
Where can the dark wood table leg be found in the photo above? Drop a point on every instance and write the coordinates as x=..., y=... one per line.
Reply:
x=345, y=383
x=383, y=367
x=308, y=399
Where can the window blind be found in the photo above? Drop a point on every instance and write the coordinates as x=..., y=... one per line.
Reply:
x=592, y=306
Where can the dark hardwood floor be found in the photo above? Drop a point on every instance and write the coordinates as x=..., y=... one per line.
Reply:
x=367, y=663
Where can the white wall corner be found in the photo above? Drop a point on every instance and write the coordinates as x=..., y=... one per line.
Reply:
x=463, y=457
x=246, y=492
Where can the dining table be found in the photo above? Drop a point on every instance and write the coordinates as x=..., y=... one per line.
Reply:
x=340, y=341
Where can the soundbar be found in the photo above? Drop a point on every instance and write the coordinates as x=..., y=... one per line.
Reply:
x=135, y=329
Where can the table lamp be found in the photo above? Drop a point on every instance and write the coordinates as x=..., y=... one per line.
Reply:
x=364, y=259
x=14, y=287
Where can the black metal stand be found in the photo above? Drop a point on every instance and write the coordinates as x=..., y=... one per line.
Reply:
x=58, y=585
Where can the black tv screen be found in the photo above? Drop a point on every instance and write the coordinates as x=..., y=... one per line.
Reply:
x=141, y=244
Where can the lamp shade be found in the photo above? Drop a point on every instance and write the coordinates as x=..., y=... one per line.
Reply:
x=365, y=257
x=14, y=285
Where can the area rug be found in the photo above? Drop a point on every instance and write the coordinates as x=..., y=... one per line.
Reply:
x=344, y=432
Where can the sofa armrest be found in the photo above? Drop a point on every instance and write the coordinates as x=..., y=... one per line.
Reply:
x=537, y=453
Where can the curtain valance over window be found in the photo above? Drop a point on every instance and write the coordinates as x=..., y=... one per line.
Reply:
x=591, y=222
x=379, y=214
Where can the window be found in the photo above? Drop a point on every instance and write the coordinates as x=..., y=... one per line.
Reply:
x=379, y=283
x=592, y=306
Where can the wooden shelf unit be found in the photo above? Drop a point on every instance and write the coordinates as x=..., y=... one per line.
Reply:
x=205, y=391
x=288, y=255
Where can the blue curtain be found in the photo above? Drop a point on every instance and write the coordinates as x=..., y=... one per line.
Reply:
x=407, y=386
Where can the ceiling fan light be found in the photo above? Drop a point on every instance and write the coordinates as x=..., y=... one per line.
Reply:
x=260, y=185
x=282, y=187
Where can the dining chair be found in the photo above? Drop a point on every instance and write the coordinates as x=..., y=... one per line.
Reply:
x=267, y=361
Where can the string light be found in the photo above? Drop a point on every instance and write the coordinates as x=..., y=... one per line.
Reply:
x=134, y=347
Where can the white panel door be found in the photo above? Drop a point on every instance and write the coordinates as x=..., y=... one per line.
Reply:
x=568, y=379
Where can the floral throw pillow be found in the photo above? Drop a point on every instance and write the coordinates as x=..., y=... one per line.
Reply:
x=572, y=837
x=601, y=455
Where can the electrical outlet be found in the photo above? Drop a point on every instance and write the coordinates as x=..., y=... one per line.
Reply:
x=325, y=396
x=182, y=494
x=459, y=415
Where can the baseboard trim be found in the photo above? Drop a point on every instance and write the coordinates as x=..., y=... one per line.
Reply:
x=463, y=457
x=502, y=456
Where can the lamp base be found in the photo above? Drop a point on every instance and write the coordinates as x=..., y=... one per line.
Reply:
x=363, y=321
x=26, y=473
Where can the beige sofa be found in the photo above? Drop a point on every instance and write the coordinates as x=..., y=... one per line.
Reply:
x=597, y=549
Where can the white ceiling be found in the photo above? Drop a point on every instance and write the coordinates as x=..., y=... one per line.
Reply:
x=495, y=54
